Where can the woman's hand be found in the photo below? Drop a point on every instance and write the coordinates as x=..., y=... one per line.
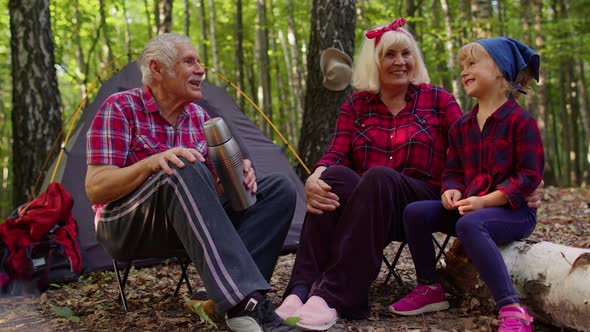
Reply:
x=449, y=198
x=318, y=195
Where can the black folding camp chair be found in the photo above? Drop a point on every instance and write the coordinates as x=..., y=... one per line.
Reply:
x=182, y=259
x=391, y=266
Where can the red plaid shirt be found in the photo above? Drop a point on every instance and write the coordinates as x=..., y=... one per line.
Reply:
x=507, y=155
x=414, y=142
x=128, y=128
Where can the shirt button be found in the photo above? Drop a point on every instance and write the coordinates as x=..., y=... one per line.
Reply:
x=391, y=136
x=390, y=157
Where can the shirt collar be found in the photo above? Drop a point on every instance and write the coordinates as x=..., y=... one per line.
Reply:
x=149, y=102
x=410, y=94
x=503, y=111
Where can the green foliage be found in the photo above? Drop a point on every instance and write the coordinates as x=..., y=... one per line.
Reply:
x=65, y=312
x=292, y=321
x=198, y=308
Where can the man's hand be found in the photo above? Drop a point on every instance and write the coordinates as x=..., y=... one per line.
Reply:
x=160, y=161
x=470, y=204
x=250, y=176
x=318, y=195
x=449, y=198
x=534, y=199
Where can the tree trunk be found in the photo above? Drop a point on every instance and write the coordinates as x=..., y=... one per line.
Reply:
x=239, y=55
x=187, y=18
x=583, y=103
x=550, y=279
x=291, y=117
x=332, y=25
x=449, y=44
x=213, y=40
x=79, y=52
x=481, y=11
x=264, y=90
x=204, y=33
x=36, y=114
x=127, y=32
x=108, y=53
x=164, y=16
x=149, y=18
x=296, y=67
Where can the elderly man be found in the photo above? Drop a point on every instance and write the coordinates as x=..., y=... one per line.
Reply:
x=153, y=192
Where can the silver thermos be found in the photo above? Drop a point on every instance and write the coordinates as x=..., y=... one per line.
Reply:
x=226, y=158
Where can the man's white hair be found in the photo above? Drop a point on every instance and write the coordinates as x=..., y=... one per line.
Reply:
x=161, y=48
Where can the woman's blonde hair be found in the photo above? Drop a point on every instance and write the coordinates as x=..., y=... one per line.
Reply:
x=365, y=76
x=473, y=51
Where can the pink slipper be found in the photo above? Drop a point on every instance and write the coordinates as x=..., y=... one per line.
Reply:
x=291, y=304
x=316, y=315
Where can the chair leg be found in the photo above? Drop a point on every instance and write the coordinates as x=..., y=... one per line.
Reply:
x=391, y=266
x=184, y=263
x=121, y=283
x=441, y=248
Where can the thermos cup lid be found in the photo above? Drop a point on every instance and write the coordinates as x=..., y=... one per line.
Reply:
x=216, y=131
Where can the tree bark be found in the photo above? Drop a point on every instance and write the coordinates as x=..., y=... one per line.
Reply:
x=149, y=19
x=204, y=33
x=332, y=25
x=105, y=33
x=164, y=16
x=239, y=55
x=213, y=40
x=550, y=279
x=264, y=90
x=449, y=44
x=583, y=103
x=296, y=66
x=36, y=114
x=187, y=18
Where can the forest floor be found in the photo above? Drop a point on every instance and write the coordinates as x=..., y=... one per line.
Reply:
x=92, y=304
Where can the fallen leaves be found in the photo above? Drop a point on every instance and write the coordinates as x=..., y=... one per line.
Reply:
x=94, y=299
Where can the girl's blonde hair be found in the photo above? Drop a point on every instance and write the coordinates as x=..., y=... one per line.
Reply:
x=365, y=76
x=473, y=51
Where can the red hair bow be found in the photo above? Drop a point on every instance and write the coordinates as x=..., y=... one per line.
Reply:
x=377, y=33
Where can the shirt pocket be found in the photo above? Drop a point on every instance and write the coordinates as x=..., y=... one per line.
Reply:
x=367, y=131
x=424, y=127
x=146, y=145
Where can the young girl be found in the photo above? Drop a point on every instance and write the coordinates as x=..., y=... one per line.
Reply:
x=495, y=160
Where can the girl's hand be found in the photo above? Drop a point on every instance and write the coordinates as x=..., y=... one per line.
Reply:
x=470, y=204
x=449, y=198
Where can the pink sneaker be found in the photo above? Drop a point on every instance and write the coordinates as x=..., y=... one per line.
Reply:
x=515, y=319
x=316, y=315
x=291, y=304
x=420, y=300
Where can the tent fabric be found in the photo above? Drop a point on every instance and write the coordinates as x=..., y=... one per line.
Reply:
x=266, y=157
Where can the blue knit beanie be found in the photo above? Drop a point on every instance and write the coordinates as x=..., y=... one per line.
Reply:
x=512, y=56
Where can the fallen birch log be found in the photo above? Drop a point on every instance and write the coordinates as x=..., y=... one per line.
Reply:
x=552, y=280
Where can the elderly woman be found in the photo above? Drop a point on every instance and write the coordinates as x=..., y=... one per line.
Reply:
x=388, y=150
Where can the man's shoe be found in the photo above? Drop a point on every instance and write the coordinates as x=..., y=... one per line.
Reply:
x=515, y=319
x=291, y=304
x=422, y=299
x=258, y=317
x=316, y=315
